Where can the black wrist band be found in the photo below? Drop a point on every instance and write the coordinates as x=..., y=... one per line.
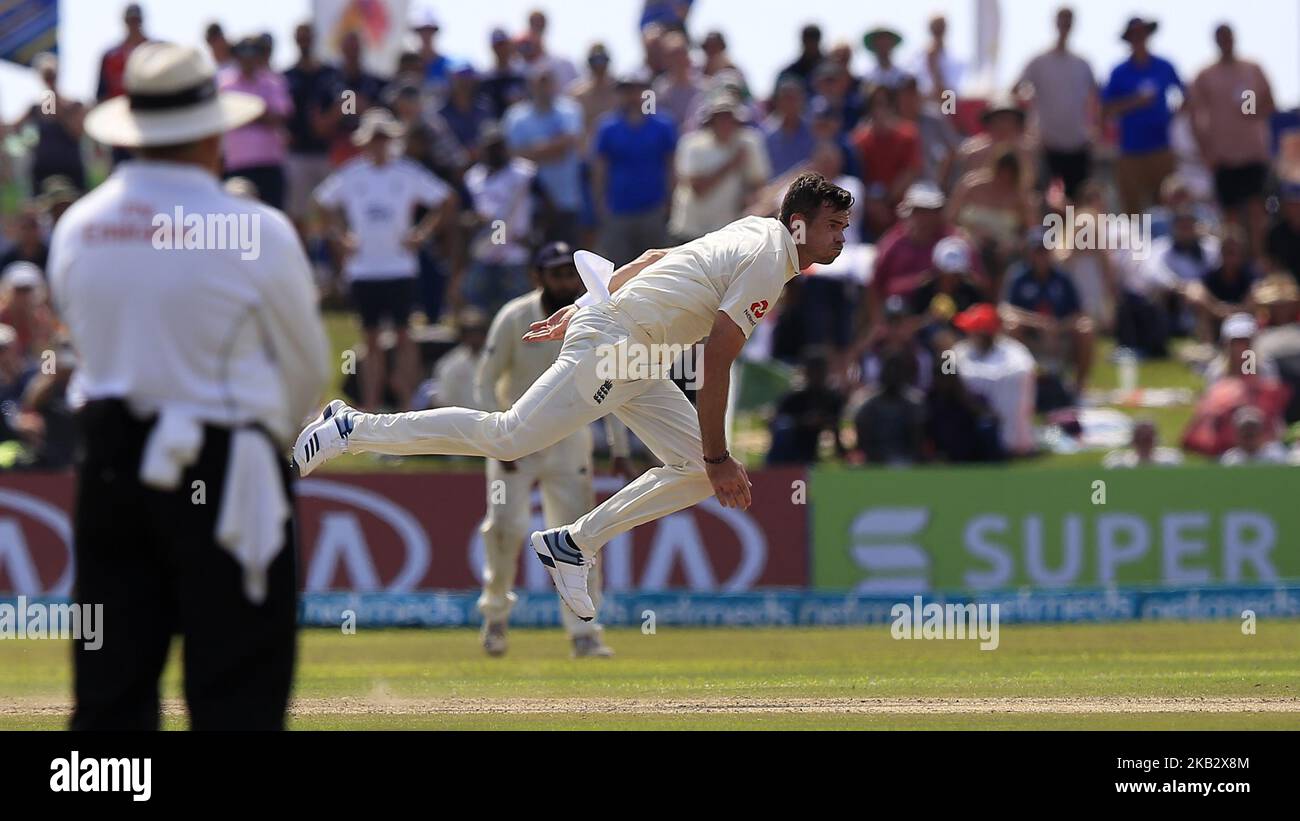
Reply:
x=726, y=454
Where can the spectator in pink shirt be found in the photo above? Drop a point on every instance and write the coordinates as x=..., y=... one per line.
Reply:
x=257, y=151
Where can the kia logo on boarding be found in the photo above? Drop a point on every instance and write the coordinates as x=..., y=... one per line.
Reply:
x=676, y=547
x=35, y=546
x=340, y=541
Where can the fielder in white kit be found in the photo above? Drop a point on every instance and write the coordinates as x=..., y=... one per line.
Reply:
x=507, y=367
x=718, y=286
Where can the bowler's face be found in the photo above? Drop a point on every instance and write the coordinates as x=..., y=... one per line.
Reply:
x=824, y=237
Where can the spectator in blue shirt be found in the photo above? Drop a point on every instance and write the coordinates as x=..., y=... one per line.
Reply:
x=546, y=129
x=1138, y=96
x=467, y=109
x=789, y=138
x=632, y=172
x=1043, y=311
x=437, y=66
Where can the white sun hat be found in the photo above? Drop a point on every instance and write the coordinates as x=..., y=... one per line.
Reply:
x=171, y=98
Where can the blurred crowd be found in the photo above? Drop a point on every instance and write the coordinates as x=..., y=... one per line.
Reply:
x=1002, y=241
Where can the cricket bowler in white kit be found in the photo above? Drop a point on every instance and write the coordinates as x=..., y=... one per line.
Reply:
x=507, y=367
x=718, y=286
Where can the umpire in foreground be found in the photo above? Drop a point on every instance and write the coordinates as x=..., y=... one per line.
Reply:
x=200, y=350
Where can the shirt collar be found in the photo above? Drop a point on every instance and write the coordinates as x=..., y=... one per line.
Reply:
x=791, y=249
x=162, y=171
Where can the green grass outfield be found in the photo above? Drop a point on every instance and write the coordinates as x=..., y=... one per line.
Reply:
x=1204, y=675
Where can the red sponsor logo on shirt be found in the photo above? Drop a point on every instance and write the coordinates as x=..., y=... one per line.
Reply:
x=759, y=308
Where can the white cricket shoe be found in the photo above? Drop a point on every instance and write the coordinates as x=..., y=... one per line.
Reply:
x=323, y=439
x=568, y=569
x=593, y=646
x=494, y=638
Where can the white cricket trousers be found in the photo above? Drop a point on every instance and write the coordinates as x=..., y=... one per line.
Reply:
x=562, y=472
x=569, y=396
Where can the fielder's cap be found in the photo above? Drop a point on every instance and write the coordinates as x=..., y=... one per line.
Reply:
x=133, y=12
x=598, y=54
x=424, y=18
x=553, y=255
x=1136, y=26
x=978, y=319
x=377, y=121
x=21, y=275
x=952, y=256
x=462, y=68
x=923, y=195
x=171, y=97
x=498, y=36
x=1238, y=326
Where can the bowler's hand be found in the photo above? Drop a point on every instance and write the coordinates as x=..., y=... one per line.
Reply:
x=553, y=327
x=730, y=483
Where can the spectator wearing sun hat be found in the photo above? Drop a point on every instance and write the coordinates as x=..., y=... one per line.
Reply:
x=1237, y=356
x=719, y=167
x=880, y=42
x=1137, y=95
x=906, y=251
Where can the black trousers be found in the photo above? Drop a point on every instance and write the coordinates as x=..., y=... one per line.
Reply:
x=152, y=560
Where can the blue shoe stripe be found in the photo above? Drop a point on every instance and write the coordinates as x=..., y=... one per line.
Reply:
x=562, y=551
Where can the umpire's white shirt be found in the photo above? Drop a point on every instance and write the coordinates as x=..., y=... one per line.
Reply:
x=210, y=334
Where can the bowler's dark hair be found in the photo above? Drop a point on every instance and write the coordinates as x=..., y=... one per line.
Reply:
x=811, y=191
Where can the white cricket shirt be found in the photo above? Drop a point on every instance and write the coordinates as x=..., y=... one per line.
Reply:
x=224, y=338
x=739, y=269
x=379, y=202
